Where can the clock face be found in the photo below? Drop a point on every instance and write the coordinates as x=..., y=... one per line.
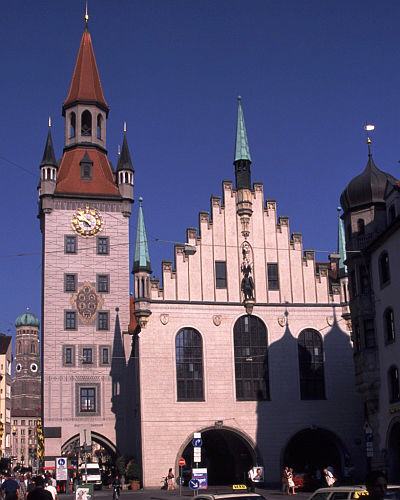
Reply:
x=87, y=222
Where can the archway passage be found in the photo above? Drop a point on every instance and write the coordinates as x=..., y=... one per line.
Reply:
x=394, y=452
x=313, y=449
x=101, y=450
x=226, y=454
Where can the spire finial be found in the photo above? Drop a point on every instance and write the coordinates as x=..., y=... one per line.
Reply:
x=86, y=17
x=125, y=127
x=140, y=200
x=49, y=121
x=119, y=150
x=368, y=127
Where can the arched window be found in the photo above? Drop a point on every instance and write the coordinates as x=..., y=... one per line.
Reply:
x=86, y=123
x=394, y=386
x=388, y=324
x=384, y=269
x=99, y=126
x=189, y=365
x=361, y=226
x=251, y=359
x=33, y=348
x=18, y=347
x=311, y=365
x=72, y=125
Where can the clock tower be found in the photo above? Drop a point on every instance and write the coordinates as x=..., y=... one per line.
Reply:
x=84, y=212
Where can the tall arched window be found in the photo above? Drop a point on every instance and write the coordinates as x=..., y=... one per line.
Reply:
x=384, y=269
x=388, y=325
x=72, y=125
x=19, y=347
x=394, y=385
x=33, y=348
x=86, y=123
x=189, y=365
x=99, y=126
x=251, y=359
x=311, y=365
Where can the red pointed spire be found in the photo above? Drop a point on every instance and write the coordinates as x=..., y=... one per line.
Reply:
x=85, y=84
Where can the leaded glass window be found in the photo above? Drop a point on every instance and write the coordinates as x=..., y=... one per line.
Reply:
x=189, y=365
x=311, y=365
x=251, y=359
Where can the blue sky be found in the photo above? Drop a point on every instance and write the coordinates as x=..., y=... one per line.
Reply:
x=310, y=73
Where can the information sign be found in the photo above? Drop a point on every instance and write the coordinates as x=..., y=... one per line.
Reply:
x=197, y=442
x=61, y=469
x=201, y=476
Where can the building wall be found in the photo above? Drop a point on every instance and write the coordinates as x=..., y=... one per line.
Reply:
x=61, y=382
x=189, y=298
x=5, y=401
x=24, y=441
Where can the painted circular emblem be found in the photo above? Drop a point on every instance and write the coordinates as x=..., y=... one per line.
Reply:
x=87, y=302
x=87, y=222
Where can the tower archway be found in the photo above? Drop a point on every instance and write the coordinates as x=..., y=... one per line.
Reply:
x=102, y=450
x=226, y=453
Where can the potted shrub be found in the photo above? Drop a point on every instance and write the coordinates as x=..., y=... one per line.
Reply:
x=132, y=474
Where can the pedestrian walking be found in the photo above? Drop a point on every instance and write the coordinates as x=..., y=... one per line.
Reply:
x=10, y=488
x=170, y=480
x=330, y=479
x=285, y=478
x=376, y=483
x=291, y=484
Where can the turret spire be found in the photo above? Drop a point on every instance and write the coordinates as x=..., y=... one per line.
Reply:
x=341, y=245
x=49, y=158
x=142, y=257
x=242, y=159
x=242, y=151
x=86, y=17
x=124, y=158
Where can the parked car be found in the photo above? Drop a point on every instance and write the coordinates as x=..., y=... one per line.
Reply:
x=350, y=492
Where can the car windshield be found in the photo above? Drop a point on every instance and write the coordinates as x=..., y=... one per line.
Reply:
x=91, y=472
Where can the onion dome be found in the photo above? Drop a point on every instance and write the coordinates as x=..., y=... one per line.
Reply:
x=27, y=319
x=366, y=188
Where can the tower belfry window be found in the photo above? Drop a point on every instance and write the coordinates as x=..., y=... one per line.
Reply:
x=99, y=126
x=86, y=124
x=86, y=167
x=72, y=125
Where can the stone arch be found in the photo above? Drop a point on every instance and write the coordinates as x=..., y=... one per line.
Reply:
x=237, y=453
x=393, y=449
x=315, y=448
x=96, y=437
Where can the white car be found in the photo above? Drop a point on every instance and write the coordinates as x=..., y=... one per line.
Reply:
x=93, y=474
x=350, y=492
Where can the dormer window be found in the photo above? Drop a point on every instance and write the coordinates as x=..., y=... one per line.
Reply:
x=86, y=167
x=86, y=124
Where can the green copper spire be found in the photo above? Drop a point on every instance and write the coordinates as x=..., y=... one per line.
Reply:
x=341, y=246
x=242, y=151
x=141, y=261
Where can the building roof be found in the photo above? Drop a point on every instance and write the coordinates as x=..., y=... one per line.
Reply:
x=27, y=319
x=366, y=188
x=125, y=160
x=69, y=181
x=85, y=84
x=242, y=150
x=141, y=261
x=5, y=341
x=49, y=158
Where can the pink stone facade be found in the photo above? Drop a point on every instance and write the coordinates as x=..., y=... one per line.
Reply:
x=60, y=380
x=189, y=298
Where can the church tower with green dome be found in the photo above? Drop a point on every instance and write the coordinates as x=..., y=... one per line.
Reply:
x=26, y=389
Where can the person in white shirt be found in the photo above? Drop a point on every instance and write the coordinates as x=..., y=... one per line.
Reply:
x=52, y=489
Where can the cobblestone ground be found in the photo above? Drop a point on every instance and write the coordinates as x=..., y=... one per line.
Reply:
x=158, y=494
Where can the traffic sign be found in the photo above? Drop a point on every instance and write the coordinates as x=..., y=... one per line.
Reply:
x=194, y=484
x=197, y=442
x=181, y=462
x=61, y=469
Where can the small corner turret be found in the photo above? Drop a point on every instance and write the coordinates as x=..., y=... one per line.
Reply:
x=125, y=171
x=48, y=172
x=242, y=164
x=141, y=271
